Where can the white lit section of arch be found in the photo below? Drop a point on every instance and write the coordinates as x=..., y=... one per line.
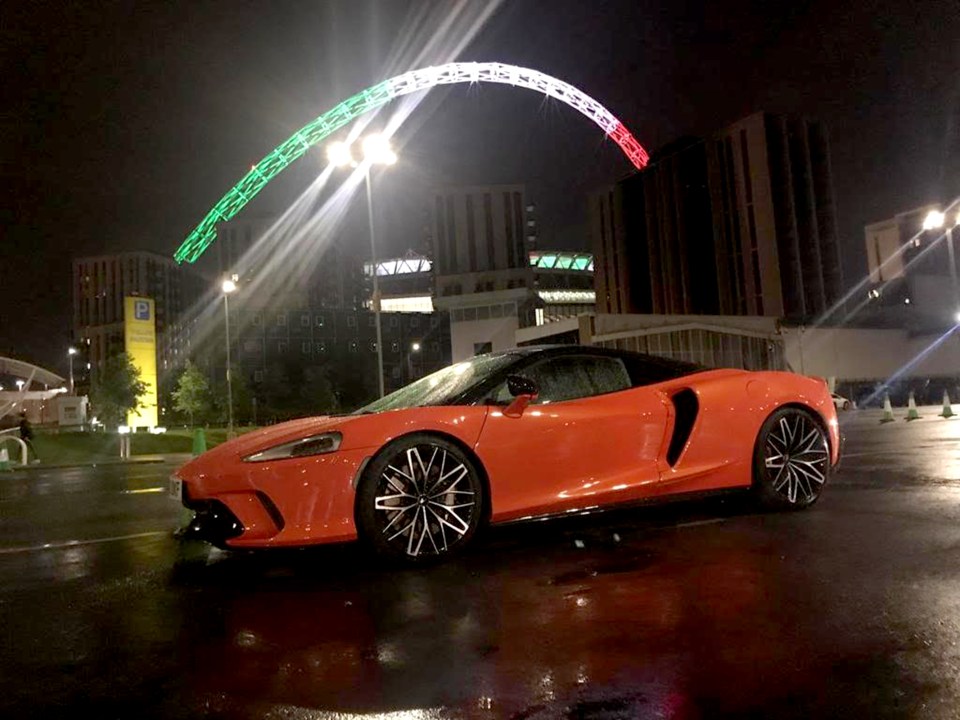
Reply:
x=407, y=304
x=568, y=297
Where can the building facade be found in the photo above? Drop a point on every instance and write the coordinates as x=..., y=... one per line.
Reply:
x=740, y=223
x=914, y=272
x=99, y=286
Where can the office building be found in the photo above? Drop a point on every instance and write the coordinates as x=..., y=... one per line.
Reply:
x=740, y=223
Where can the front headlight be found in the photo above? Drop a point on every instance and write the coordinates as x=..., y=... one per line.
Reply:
x=315, y=445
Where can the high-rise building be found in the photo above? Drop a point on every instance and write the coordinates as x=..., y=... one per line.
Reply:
x=100, y=284
x=740, y=223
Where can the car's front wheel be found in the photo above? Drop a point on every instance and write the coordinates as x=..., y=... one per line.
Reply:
x=420, y=498
x=791, y=459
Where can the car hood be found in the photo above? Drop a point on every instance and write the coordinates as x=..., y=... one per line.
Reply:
x=268, y=437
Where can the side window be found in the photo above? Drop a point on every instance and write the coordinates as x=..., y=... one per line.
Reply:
x=570, y=378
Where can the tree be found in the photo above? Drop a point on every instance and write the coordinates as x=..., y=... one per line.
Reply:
x=118, y=390
x=242, y=398
x=192, y=395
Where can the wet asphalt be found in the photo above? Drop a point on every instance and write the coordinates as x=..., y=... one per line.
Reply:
x=703, y=608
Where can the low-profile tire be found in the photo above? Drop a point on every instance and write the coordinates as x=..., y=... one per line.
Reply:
x=791, y=460
x=420, y=499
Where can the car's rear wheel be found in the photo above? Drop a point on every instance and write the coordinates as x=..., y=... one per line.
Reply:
x=421, y=498
x=791, y=459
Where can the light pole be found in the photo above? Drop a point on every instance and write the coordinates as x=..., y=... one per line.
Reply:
x=71, y=352
x=935, y=220
x=376, y=151
x=228, y=286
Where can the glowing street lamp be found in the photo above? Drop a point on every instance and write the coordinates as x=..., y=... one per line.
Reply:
x=376, y=151
x=339, y=155
x=415, y=347
x=71, y=352
x=20, y=384
x=228, y=286
x=934, y=220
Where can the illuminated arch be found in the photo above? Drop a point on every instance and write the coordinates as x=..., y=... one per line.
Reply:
x=416, y=80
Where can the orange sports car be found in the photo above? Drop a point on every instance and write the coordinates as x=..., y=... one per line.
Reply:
x=516, y=435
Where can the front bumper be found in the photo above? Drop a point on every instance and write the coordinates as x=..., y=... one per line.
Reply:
x=212, y=521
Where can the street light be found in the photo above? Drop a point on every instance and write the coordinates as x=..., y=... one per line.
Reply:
x=70, y=353
x=376, y=151
x=228, y=286
x=415, y=347
x=934, y=221
x=20, y=384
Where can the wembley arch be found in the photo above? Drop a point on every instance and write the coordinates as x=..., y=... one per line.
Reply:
x=410, y=82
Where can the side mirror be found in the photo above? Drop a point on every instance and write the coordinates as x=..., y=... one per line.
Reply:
x=524, y=391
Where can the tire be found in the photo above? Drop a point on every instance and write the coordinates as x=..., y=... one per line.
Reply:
x=846, y=404
x=422, y=498
x=791, y=460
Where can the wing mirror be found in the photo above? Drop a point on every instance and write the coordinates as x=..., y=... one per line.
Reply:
x=524, y=391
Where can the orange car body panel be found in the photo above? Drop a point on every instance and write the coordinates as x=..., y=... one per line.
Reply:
x=555, y=458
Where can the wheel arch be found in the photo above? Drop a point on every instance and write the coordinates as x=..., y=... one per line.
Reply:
x=453, y=440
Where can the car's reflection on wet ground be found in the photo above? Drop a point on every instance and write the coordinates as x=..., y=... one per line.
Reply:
x=696, y=609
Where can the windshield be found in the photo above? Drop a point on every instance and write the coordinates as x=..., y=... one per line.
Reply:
x=442, y=386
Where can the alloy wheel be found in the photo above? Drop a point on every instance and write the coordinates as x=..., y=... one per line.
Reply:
x=426, y=501
x=796, y=458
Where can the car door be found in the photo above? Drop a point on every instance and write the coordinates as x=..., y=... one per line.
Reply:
x=589, y=439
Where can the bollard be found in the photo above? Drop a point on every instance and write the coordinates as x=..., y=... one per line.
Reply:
x=199, y=442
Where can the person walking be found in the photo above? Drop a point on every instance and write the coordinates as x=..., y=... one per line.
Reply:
x=26, y=434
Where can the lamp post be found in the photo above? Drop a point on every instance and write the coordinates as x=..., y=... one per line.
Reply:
x=935, y=220
x=71, y=352
x=376, y=151
x=228, y=286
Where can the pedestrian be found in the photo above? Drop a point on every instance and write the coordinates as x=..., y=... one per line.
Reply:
x=26, y=434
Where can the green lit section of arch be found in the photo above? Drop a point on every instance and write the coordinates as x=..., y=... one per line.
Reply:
x=273, y=164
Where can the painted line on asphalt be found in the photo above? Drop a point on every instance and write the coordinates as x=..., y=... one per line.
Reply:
x=75, y=543
x=712, y=521
x=144, y=490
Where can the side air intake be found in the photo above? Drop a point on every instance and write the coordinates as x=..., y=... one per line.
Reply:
x=685, y=407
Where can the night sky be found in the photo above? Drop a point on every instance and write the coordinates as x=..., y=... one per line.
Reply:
x=123, y=123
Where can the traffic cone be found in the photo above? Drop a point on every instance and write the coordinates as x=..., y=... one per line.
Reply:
x=947, y=410
x=199, y=442
x=887, y=410
x=912, y=413
x=4, y=459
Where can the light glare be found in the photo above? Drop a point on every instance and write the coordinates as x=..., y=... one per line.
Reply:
x=228, y=286
x=338, y=154
x=377, y=150
x=933, y=220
